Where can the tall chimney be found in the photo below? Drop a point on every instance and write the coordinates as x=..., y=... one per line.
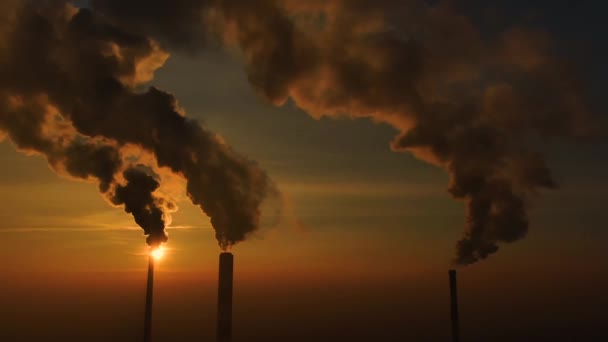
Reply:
x=454, y=307
x=149, y=288
x=224, y=298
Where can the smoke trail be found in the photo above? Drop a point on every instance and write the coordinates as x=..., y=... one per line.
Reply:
x=36, y=127
x=470, y=104
x=90, y=71
x=138, y=199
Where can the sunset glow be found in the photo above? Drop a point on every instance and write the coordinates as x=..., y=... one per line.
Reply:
x=292, y=170
x=157, y=253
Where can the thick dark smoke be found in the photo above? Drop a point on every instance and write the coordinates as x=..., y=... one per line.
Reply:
x=469, y=103
x=176, y=24
x=29, y=125
x=73, y=69
x=138, y=198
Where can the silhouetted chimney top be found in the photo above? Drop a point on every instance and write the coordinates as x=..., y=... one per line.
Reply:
x=454, y=306
x=149, y=293
x=224, y=298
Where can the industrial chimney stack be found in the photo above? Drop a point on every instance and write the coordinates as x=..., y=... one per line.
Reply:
x=454, y=307
x=224, y=298
x=149, y=289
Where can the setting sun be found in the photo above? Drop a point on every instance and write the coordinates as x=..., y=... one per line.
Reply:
x=292, y=170
x=158, y=253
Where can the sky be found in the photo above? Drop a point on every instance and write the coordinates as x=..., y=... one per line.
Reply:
x=366, y=236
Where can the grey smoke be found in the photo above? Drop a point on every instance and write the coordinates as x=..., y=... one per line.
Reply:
x=468, y=103
x=137, y=196
x=465, y=102
x=92, y=72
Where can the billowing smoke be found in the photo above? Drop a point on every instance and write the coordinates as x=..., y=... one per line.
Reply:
x=138, y=198
x=35, y=127
x=71, y=89
x=471, y=103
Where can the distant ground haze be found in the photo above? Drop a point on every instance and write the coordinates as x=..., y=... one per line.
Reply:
x=276, y=307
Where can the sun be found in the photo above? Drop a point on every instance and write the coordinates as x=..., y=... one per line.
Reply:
x=157, y=253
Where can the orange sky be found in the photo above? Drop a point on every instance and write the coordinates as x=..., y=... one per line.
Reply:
x=373, y=241
x=365, y=243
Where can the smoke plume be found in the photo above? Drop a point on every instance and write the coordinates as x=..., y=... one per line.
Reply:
x=470, y=103
x=71, y=90
x=138, y=199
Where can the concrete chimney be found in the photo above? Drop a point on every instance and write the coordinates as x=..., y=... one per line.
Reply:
x=454, y=307
x=224, y=298
x=149, y=289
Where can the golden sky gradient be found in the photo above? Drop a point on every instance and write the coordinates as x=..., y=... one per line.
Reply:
x=364, y=241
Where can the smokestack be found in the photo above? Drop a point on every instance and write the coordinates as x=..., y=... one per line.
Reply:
x=224, y=298
x=454, y=306
x=149, y=288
